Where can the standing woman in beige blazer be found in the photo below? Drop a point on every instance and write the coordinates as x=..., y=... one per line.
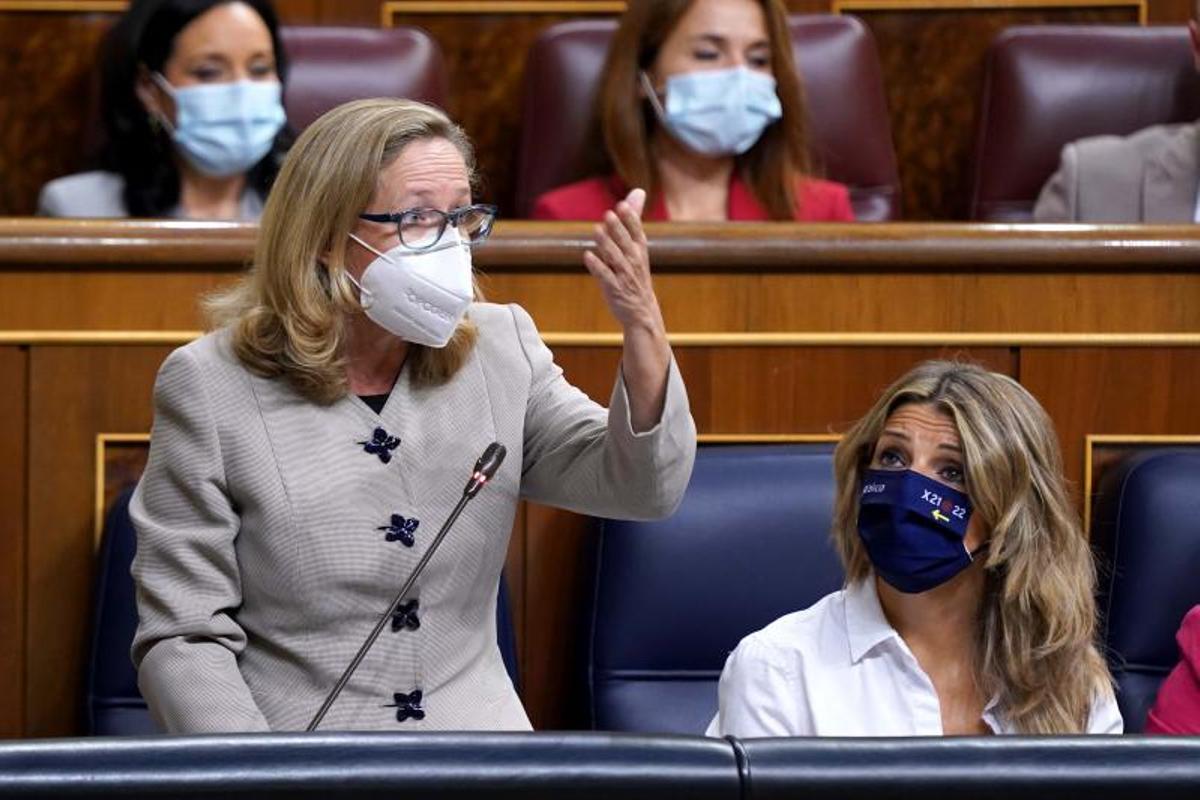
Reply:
x=305, y=452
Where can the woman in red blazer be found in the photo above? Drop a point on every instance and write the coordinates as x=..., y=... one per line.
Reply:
x=1177, y=708
x=701, y=105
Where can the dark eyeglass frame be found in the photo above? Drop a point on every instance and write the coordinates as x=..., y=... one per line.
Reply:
x=455, y=216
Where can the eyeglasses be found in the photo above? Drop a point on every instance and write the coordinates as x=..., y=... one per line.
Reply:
x=422, y=228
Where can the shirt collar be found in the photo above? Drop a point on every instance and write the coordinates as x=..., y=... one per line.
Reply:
x=866, y=626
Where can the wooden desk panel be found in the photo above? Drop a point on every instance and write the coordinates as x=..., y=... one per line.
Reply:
x=777, y=278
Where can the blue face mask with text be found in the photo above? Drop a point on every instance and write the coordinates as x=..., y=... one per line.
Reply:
x=913, y=528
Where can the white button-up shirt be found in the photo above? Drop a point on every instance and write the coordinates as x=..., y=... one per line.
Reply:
x=839, y=668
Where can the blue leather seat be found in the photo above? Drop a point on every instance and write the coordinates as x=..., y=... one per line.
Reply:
x=749, y=543
x=1146, y=530
x=113, y=704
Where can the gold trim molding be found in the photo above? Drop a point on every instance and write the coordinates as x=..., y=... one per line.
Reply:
x=1093, y=439
x=389, y=11
x=852, y=6
x=103, y=440
x=768, y=438
x=26, y=338
x=73, y=7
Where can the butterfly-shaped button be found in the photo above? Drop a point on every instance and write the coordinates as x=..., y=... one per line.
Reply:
x=401, y=529
x=381, y=444
x=408, y=706
x=405, y=617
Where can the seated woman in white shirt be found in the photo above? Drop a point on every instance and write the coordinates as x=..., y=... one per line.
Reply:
x=968, y=603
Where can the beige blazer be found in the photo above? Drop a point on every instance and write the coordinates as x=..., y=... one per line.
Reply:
x=1151, y=176
x=264, y=549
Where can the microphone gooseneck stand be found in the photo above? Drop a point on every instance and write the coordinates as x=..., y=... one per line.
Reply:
x=485, y=468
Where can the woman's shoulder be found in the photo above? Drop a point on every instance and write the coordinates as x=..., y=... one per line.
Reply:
x=1189, y=638
x=583, y=200
x=208, y=357
x=824, y=201
x=84, y=194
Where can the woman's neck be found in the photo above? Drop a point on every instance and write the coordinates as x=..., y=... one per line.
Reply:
x=206, y=197
x=374, y=357
x=695, y=188
x=941, y=629
x=942, y=623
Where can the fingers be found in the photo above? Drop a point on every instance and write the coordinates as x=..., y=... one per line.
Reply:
x=608, y=250
x=619, y=233
x=637, y=201
x=599, y=270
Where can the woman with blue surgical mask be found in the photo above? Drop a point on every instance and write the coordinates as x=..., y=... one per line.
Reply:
x=193, y=105
x=968, y=603
x=701, y=104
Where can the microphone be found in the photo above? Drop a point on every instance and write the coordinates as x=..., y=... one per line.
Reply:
x=485, y=468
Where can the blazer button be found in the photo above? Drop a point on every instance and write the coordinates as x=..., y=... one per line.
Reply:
x=380, y=444
x=408, y=706
x=401, y=529
x=405, y=617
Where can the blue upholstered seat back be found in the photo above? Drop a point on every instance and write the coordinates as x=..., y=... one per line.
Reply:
x=1147, y=535
x=749, y=543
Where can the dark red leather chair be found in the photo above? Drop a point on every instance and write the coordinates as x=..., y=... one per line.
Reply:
x=330, y=66
x=1047, y=86
x=850, y=136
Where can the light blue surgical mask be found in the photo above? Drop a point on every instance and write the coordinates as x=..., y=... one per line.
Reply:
x=224, y=129
x=720, y=112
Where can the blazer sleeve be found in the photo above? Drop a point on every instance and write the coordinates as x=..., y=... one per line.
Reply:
x=186, y=571
x=1057, y=200
x=582, y=457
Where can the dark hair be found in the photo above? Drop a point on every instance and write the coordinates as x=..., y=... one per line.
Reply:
x=141, y=152
x=770, y=168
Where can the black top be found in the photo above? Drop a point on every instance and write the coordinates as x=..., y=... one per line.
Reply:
x=375, y=401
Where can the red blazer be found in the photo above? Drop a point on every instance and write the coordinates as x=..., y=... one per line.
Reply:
x=818, y=201
x=1177, y=709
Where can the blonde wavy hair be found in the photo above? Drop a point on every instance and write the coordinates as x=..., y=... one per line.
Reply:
x=1037, y=629
x=288, y=316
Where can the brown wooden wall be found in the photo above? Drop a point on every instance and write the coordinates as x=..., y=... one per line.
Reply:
x=779, y=330
x=931, y=51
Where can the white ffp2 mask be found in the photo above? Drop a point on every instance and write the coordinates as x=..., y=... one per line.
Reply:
x=419, y=296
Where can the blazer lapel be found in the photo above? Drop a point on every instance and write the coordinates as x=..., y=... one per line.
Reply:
x=1170, y=181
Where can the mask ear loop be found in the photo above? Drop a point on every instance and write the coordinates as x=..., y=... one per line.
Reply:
x=365, y=299
x=165, y=85
x=652, y=96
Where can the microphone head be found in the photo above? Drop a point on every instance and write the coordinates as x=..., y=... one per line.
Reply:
x=490, y=461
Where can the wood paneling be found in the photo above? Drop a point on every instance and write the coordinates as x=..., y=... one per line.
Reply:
x=780, y=330
x=1092, y=390
x=819, y=279
x=47, y=60
x=14, y=365
x=932, y=60
x=74, y=393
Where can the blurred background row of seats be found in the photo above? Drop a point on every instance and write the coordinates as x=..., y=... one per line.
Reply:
x=1044, y=87
x=751, y=543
